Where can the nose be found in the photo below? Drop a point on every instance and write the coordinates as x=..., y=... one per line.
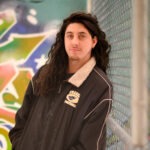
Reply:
x=75, y=41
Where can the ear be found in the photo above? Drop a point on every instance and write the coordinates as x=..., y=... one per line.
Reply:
x=94, y=41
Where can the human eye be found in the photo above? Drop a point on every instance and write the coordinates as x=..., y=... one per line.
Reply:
x=82, y=36
x=69, y=36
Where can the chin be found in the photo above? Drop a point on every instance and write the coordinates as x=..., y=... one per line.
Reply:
x=74, y=58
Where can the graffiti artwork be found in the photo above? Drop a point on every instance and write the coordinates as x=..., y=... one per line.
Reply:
x=27, y=31
x=21, y=55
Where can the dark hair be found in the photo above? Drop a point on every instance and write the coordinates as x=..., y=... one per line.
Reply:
x=54, y=71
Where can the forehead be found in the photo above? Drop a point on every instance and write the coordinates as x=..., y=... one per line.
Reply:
x=76, y=27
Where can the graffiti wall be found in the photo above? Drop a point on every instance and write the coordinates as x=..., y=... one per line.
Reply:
x=25, y=39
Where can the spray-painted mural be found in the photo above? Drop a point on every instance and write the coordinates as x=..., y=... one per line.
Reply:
x=24, y=44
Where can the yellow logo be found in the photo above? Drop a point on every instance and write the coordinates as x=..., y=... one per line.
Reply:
x=72, y=98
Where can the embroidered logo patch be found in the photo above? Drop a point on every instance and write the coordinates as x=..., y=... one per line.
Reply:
x=72, y=98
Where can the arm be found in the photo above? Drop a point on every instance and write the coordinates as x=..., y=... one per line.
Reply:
x=93, y=133
x=21, y=117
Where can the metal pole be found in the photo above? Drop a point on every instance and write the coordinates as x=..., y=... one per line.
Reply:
x=89, y=6
x=139, y=75
x=120, y=132
x=149, y=70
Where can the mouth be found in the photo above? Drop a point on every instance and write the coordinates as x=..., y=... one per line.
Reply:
x=74, y=49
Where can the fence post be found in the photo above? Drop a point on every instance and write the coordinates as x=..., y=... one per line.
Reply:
x=139, y=75
x=89, y=6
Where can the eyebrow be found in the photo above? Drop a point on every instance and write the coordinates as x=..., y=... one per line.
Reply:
x=82, y=33
x=69, y=32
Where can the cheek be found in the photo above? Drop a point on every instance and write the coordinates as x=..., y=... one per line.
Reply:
x=66, y=43
x=88, y=46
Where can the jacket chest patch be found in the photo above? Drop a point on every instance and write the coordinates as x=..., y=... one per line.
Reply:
x=72, y=98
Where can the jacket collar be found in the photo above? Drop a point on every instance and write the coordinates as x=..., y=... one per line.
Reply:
x=80, y=76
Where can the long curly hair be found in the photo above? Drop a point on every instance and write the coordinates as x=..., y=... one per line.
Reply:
x=52, y=74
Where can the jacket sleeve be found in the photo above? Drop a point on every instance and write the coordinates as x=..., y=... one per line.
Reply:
x=93, y=132
x=21, y=117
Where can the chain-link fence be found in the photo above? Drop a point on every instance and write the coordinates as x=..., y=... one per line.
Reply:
x=115, y=18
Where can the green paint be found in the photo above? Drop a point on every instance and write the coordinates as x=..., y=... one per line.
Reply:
x=12, y=107
x=4, y=132
x=1, y=122
x=56, y=9
x=9, y=98
x=19, y=47
x=6, y=24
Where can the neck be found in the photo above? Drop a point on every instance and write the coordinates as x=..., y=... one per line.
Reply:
x=75, y=65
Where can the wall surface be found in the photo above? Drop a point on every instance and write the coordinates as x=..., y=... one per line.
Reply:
x=27, y=30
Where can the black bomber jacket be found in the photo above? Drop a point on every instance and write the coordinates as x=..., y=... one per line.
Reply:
x=73, y=119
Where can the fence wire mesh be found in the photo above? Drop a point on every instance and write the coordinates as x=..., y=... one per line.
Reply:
x=115, y=18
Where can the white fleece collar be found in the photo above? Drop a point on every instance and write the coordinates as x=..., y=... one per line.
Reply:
x=80, y=76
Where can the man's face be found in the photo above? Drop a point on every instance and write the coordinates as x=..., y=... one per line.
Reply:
x=78, y=42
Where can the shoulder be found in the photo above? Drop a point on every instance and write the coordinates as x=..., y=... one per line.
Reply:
x=100, y=80
x=100, y=77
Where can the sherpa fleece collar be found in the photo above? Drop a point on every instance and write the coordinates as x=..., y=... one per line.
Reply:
x=80, y=76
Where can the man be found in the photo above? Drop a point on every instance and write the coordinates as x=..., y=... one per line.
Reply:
x=68, y=101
